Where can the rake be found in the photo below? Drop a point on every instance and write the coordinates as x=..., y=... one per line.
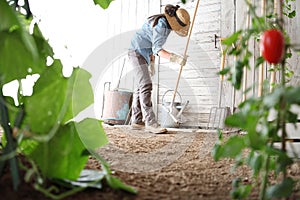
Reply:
x=171, y=110
x=218, y=114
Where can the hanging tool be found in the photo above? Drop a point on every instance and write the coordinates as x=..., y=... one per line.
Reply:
x=218, y=113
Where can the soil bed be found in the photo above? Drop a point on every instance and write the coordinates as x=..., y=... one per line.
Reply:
x=177, y=165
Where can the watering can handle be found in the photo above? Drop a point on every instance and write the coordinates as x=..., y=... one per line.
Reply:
x=170, y=91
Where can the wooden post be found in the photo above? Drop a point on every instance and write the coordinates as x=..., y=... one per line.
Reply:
x=273, y=72
x=223, y=57
x=261, y=67
x=233, y=89
x=245, y=68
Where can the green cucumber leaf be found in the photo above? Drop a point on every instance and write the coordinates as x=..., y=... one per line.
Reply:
x=103, y=3
x=82, y=93
x=49, y=102
x=61, y=157
x=91, y=133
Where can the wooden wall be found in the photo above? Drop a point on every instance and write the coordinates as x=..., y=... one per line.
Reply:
x=237, y=12
x=199, y=81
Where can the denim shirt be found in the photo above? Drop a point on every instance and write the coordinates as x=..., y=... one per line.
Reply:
x=149, y=40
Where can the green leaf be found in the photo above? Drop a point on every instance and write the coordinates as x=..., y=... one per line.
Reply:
x=260, y=60
x=237, y=74
x=16, y=60
x=281, y=158
x=18, y=52
x=232, y=148
x=91, y=133
x=283, y=189
x=283, y=162
x=232, y=39
x=272, y=99
x=292, y=14
x=255, y=162
x=61, y=157
x=246, y=118
x=292, y=117
x=225, y=71
x=292, y=95
x=56, y=98
x=43, y=47
x=115, y=183
x=217, y=152
x=288, y=55
x=103, y=3
x=241, y=192
x=82, y=93
x=50, y=100
x=27, y=146
x=237, y=120
x=8, y=17
x=104, y=164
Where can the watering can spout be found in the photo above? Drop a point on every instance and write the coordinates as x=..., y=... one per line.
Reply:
x=182, y=109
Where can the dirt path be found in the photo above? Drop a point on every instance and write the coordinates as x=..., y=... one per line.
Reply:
x=177, y=165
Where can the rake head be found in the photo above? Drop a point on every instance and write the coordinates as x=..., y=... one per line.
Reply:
x=217, y=117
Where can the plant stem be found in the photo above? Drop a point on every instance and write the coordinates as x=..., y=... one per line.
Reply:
x=282, y=102
x=253, y=13
x=282, y=109
x=11, y=143
x=60, y=196
x=265, y=178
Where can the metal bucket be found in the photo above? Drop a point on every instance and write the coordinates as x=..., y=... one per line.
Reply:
x=167, y=121
x=116, y=107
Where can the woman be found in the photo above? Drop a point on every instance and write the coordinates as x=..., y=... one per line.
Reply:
x=146, y=43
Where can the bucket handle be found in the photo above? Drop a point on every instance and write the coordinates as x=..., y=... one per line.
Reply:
x=103, y=97
x=170, y=91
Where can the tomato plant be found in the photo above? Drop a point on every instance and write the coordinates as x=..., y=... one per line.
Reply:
x=272, y=46
x=262, y=135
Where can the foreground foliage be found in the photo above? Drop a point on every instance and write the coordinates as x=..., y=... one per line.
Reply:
x=41, y=126
x=263, y=118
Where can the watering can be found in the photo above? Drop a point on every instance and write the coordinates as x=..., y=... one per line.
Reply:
x=172, y=111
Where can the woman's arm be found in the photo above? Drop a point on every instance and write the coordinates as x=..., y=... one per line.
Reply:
x=172, y=57
x=164, y=54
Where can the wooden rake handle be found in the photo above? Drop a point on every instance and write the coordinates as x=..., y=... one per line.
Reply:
x=185, y=54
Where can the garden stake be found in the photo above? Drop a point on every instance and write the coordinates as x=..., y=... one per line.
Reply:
x=261, y=66
x=273, y=72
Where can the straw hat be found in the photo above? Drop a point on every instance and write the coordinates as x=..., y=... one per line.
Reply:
x=178, y=18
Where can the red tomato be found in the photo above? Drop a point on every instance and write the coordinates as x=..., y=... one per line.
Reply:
x=272, y=46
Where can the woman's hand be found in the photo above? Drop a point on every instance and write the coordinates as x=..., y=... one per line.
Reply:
x=178, y=59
